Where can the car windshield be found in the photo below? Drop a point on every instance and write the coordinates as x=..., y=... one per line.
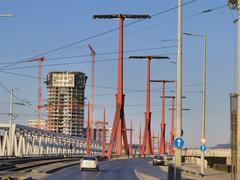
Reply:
x=158, y=157
x=89, y=158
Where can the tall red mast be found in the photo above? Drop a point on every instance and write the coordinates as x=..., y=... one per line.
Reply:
x=104, y=134
x=147, y=140
x=119, y=125
x=163, y=125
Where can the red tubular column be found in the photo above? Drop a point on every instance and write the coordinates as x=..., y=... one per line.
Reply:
x=104, y=134
x=162, y=142
x=147, y=140
x=158, y=144
x=130, y=148
x=153, y=140
x=172, y=129
x=140, y=139
x=120, y=85
x=88, y=132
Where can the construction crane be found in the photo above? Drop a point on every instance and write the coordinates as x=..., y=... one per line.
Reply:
x=40, y=60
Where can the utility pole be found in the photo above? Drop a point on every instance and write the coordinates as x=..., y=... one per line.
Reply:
x=203, y=122
x=203, y=132
x=163, y=125
x=178, y=151
x=238, y=105
x=92, y=88
x=147, y=140
x=119, y=119
x=235, y=4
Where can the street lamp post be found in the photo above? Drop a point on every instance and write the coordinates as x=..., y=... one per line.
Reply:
x=235, y=5
x=203, y=136
x=178, y=151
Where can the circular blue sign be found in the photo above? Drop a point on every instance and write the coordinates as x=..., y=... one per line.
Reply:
x=203, y=148
x=178, y=142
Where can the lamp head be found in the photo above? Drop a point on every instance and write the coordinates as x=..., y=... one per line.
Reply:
x=232, y=4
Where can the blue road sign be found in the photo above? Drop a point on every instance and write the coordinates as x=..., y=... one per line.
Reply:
x=178, y=142
x=203, y=148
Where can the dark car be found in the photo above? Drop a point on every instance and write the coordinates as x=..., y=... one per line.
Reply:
x=158, y=160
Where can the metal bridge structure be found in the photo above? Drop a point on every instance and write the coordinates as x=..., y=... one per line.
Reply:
x=20, y=141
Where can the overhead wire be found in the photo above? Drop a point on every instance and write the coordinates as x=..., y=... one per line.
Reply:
x=95, y=36
x=161, y=24
x=25, y=102
x=152, y=26
x=98, y=61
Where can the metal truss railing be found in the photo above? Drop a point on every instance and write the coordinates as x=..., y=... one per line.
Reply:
x=18, y=140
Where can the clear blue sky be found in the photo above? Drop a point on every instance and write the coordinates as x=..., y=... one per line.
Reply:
x=39, y=26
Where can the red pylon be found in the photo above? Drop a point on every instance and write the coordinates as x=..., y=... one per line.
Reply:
x=153, y=137
x=130, y=148
x=163, y=125
x=104, y=134
x=88, y=132
x=119, y=119
x=147, y=140
x=140, y=139
x=158, y=144
x=172, y=129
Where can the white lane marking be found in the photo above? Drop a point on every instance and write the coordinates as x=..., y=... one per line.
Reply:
x=142, y=176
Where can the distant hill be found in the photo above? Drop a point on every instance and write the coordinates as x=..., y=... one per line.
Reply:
x=222, y=146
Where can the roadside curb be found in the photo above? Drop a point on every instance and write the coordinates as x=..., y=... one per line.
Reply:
x=142, y=176
x=185, y=174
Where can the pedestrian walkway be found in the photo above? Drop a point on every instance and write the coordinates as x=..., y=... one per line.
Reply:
x=209, y=174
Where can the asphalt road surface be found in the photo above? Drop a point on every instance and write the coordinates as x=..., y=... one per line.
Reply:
x=108, y=170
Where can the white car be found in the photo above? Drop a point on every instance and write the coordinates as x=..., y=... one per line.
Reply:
x=89, y=163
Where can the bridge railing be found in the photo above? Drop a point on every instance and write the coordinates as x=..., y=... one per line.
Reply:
x=21, y=141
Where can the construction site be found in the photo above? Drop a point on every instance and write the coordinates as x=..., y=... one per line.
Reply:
x=66, y=102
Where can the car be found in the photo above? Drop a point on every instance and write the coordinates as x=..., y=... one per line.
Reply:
x=158, y=160
x=89, y=163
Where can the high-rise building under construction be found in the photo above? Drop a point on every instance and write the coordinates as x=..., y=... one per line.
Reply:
x=66, y=102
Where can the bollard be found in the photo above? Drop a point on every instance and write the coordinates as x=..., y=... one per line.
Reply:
x=178, y=173
x=170, y=171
